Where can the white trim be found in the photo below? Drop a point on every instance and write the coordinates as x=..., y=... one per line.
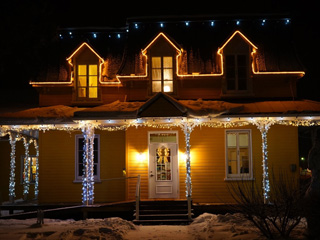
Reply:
x=178, y=160
x=77, y=178
x=239, y=176
x=164, y=132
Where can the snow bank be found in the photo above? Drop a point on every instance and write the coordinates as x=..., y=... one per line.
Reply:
x=206, y=226
x=109, y=228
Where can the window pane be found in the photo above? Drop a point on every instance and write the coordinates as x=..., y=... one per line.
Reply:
x=168, y=86
x=242, y=78
x=93, y=81
x=163, y=137
x=241, y=60
x=156, y=86
x=82, y=81
x=167, y=62
x=93, y=70
x=82, y=92
x=244, y=161
x=82, y=69
x=167, y=74
x=95, y=144
x=232, y=161
x=243, y=139
x=93, y=92
x=156, y=74
x=95, y=157
x=80, y=150
x=163, y=168
x=156, y=62
x=231, y=72
x=231, y=139
x=80, y=169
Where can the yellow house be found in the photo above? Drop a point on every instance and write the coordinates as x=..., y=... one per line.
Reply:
x=167, y=118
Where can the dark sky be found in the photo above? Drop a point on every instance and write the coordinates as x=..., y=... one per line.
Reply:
x=27, y=26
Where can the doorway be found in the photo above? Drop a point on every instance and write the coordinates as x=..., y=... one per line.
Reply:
x=163, y=165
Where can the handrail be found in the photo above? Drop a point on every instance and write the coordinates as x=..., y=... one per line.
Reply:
x=137, y=191
x=120, y=178
x=138, y=198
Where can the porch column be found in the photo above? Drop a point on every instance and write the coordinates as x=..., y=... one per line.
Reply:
x=187, y=128
x=36, y=184
x=88, y=164
x=26, y=180
x=264, y=126
x=12, y=183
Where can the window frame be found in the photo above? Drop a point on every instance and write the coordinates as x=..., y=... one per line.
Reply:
x=87, y=87
x=239, y=175
x=30, y=167
x=162, y=69
x=78, y=178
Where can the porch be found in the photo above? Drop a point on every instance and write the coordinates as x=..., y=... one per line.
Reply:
x=161, y=113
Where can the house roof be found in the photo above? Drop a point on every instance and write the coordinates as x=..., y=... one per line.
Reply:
x=161, y=105
x=200, y=38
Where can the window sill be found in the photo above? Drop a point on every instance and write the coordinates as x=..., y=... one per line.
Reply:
x=239, y=179
x=80, y=181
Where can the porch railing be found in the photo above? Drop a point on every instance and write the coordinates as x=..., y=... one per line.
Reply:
x=138, y=198
x=137, y=190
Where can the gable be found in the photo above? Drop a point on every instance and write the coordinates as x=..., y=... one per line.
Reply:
x=84, y=53
x=161, y=43
x=237, y=43
x=161, y=105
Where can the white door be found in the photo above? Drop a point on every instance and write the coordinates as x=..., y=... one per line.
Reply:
x=163, y=170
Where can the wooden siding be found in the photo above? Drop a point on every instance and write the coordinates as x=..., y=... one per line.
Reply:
x=57, y=167
x=208, y=160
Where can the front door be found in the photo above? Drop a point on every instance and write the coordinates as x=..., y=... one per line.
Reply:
x=163, y=165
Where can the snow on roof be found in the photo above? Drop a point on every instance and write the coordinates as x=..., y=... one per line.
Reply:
x=50, y=114
x=129, y=110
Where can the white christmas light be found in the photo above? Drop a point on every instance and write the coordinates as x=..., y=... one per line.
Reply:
x=88, y=165
x=26, y=181
x=36, y=184
x=12, y=139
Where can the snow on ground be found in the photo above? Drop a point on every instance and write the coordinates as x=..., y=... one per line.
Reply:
x=206, y=226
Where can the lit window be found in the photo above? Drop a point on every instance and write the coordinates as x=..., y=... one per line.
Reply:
x=32, y=169
x=79, y=157
x=87, y=83
x=238, y=153
x=162, y=74
x=236, y=72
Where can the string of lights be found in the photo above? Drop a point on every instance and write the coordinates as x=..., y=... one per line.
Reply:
x=186, y=124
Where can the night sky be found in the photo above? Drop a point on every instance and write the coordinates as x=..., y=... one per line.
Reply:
x=28, y=28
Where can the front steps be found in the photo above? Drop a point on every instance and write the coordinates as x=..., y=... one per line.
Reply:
x=164, y=212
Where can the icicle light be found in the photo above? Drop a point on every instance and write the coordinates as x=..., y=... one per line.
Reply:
x=36, y=184
x=12, y=139
x=264, y=126
x=26, y=181
x=88, y=165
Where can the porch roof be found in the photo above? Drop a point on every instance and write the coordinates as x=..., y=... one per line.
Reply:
x=157, y=107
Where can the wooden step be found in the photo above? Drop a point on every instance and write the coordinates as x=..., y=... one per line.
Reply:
x=163, y=212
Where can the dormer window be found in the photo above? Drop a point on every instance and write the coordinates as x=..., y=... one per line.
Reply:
x=162, y=74
x=87, y=81
x=162, y=53
x=236, y=72
x=86, y=65
x=236, y=52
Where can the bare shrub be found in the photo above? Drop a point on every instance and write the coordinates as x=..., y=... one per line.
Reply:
x=283, y=212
